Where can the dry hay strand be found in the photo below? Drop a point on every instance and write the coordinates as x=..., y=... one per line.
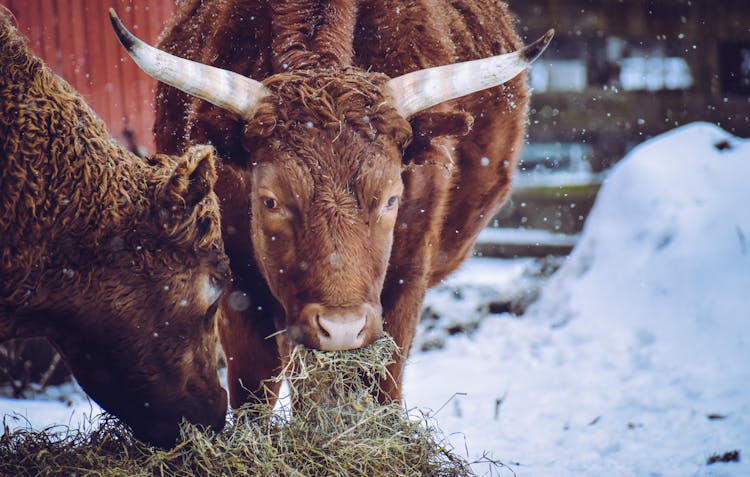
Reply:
x=337, y=428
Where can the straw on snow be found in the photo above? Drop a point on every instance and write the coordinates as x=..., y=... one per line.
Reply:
x=337, y=428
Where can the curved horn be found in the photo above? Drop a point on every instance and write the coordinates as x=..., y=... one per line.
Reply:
x=226, y=89
x=422, y=89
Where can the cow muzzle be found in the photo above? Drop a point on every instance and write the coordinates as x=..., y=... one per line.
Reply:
x=159, y=423
x=339, y=328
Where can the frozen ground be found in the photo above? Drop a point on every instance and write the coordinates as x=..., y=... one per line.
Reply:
x=635, y=359
x=58, y=408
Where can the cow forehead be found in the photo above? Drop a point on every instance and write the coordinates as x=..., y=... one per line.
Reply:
x=328, y=88
x=332, y=99
x=318, y=158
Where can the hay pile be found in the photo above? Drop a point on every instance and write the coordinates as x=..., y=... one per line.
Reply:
x=337, y=428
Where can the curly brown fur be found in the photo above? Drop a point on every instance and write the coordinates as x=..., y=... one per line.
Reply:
x=312, y=34
x=98, y=249
x=455, y=174
x=329, y=99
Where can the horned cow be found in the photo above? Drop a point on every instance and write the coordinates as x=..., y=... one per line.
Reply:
x=117, y=261
x=364, y=145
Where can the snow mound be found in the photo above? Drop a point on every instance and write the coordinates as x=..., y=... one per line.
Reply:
x=667, y=246
x=656, y=295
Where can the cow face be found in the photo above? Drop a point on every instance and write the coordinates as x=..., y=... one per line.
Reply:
x=325, y=192
x=144, y=343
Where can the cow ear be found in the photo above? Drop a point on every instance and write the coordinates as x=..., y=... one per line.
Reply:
x=193, y=178
x=441, y=124
x=427, y=126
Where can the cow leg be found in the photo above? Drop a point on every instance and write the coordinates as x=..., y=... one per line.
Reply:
x=248, y=308
x=252, y=357
x=415, y=235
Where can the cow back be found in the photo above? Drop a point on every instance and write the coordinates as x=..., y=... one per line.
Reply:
x=250, y=38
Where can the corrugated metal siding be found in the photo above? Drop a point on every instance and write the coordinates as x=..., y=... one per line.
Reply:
x=75, y=39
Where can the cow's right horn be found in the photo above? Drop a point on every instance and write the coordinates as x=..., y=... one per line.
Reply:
x=422, y=89
x=226, y=89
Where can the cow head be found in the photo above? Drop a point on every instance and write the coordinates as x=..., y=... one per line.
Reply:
x=325, y=189
x=326, y=149
x=140, y=333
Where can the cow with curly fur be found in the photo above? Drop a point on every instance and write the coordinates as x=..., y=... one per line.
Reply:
x=118, y=261
x=363, y=147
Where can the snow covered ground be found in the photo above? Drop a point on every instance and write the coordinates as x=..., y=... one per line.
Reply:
x=635, y=361
x=57, y=409
x=635, y=358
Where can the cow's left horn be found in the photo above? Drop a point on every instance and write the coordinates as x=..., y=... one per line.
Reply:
x=422, y=89
x=226, y=89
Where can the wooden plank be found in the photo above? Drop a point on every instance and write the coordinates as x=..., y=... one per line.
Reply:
x=131, y=89
x=512, y=243
x=87, y=80
x=13, y=6
x=111, y=66
x=66, y=32
x=161, y=11
x=77, y=24
x=19, y=13
x=98, y=71
x=122, y=64
x=143, y=103
x=25, y=22
x=48, y=27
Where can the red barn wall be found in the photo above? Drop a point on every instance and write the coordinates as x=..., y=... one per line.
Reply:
x=75, y=39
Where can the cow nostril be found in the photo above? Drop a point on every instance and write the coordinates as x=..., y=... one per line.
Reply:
x=333, y=328
x=323, y=330
x=364, y=327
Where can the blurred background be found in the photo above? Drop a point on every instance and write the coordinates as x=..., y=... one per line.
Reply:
x=618, y=72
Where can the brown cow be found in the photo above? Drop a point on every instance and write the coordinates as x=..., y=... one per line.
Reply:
x=116, y=260
x=352, y=178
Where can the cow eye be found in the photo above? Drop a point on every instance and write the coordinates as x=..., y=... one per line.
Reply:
x=392, y=201
x=270, y=203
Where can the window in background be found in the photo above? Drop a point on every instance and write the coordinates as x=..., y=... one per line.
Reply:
x=655, y=73
x=558, y=75
x=627, y=63
x=734, y=64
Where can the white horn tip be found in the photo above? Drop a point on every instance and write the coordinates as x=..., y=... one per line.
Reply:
x=534, y=50
x=123, y=35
